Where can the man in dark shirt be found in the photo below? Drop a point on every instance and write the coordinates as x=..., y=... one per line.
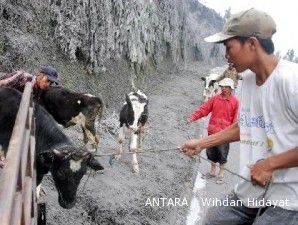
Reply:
x=18, y=79
x=41, y=81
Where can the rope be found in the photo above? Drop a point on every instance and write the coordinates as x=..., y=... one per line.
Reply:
x=229, y=171
x=263, y=197
x=83, y=188
x=112, y=156
x=138, y=152
x=167, y=150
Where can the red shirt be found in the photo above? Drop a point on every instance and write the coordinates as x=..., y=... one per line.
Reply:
x=224, y=112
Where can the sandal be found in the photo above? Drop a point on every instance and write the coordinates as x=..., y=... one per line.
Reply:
x=208, y=176
x=220, y=180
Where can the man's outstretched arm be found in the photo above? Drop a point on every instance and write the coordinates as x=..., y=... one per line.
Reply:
x=195, y=146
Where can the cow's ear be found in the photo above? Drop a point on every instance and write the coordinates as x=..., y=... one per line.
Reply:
x=203, y=78
x=58, y=153
x=94, y=164
x=62, y=153
x=127, y=99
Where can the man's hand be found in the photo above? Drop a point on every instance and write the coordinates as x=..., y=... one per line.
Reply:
x=188, y=121
x=3, y=83
x=261, y=172
x=191, y=147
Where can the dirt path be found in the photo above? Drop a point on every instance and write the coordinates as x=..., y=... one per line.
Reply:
x=121, y=197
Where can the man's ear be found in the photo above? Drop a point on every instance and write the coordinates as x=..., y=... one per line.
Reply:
x=253, y=43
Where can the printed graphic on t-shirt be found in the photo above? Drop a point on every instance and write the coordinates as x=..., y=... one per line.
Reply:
x=257, y=122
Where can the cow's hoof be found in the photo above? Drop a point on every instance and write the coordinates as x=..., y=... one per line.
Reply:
x=117, y=157
x=91, y=148
x=136, y=169
x=133, y=150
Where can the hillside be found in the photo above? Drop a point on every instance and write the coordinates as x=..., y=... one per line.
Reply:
x=101, y=45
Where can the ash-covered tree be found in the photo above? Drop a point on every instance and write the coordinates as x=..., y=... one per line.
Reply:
x=227, y=14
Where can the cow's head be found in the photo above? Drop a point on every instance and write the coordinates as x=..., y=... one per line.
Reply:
x=210, y=85
x=137, y=103
x=68, y=167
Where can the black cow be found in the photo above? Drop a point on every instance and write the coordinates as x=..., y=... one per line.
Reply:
x=54, y=151
x=70, y=108
x=134, y=115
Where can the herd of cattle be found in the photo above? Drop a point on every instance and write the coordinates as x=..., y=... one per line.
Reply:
x=55, y=152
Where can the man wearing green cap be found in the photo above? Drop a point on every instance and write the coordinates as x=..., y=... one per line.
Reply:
x=267, y=127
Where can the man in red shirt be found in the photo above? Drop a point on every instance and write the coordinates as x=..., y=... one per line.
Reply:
x=224, y=110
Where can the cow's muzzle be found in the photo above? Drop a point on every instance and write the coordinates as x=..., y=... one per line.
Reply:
x=66, y=204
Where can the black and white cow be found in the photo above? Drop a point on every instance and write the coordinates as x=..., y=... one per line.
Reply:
x=54, y=150
x=70, y=108
x=211, y=86
x=133, y=117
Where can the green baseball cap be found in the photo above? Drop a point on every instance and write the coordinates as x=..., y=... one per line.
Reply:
x=248, y=23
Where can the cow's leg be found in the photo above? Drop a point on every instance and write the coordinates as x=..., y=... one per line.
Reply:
x=90, y=139
x=121, y=138
x=91, y=132
x=134, y=148
x=141, y=138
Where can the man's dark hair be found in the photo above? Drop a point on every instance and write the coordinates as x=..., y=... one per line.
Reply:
x=267, y=44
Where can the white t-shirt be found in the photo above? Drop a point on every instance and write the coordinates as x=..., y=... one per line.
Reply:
x=268, y=121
